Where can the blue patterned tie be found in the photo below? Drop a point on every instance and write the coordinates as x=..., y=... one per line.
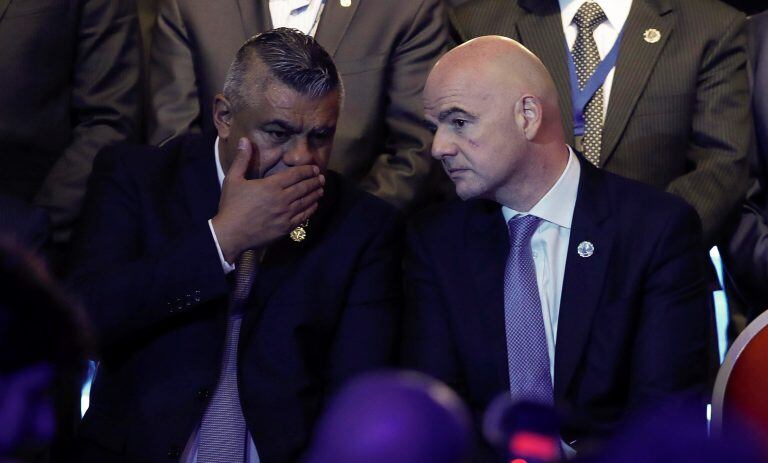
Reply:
x=527, y=353
x=223, y=430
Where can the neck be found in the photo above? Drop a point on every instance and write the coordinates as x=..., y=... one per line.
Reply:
x=538, y=177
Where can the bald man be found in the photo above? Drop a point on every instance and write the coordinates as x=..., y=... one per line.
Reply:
x=552, y=280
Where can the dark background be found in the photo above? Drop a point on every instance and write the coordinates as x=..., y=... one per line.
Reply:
x=749, y=6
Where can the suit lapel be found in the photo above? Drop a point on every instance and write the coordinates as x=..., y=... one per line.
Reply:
x=584, y=276
x=541, y=31
x=334, y=22
x=280, y=257
x=3, y=6
x=487, y=245
x=255, y=17
x=637, y=60
x=199, y=182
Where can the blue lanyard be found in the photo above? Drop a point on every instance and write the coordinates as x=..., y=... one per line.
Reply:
x=580, y=98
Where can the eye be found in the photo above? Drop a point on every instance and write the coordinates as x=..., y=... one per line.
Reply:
x=431, y=127
x=458, y=123
x=278, y=135
x=323, y=135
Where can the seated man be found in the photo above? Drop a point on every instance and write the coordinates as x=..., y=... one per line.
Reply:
x=561, y=283
x=205, y=364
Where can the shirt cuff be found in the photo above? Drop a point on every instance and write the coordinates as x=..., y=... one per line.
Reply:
x=226, y=266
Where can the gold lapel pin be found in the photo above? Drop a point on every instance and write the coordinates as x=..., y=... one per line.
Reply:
x=299, y=233
x=345, y=3
x=652, y=35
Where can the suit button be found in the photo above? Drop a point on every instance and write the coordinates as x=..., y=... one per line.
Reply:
x=203, y=394
x=174, y=452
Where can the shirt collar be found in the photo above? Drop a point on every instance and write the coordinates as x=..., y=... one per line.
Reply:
x=219, y=169
x=615, y=10
x=557, y=205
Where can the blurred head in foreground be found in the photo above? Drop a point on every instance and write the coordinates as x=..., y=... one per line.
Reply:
x=386, y=417
x=42, y=352
x=675, y=435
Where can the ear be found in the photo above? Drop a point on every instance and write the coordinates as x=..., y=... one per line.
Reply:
x=528, y=112
x=222, y=116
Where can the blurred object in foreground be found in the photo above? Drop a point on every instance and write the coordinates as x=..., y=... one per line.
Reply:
x=674, y=437
x=42, y=356
x=522, y=431
x=386, y=417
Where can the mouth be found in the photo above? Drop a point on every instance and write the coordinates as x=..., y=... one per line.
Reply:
x=455, y=170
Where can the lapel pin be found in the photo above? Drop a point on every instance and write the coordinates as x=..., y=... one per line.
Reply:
x=585, y=249
x=299, y=233
x=345, y=3
x=652, y=35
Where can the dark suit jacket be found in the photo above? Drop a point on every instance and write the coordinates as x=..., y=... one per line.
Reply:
x=68, y=76
x=678, y=116
x=746, y=253
x=148, y=270
x=383, y=50
x=633, y=322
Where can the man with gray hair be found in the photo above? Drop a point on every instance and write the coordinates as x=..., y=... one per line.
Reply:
x=233, y=281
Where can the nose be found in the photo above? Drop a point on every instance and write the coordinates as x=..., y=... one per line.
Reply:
x=301, y=153
x=443, y=145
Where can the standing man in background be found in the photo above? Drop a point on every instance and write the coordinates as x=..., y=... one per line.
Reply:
x=69, y=72
x=671, y=105
x=383, y=50
x=746, y=255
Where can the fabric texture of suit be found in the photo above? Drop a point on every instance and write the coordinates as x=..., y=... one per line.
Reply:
x=383, y=51
x=148, y=270
x=633, y=321
x=69, y=72
x=678, y=116
x=746, y=253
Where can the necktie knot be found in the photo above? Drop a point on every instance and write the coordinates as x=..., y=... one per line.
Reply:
x=521, y=229
x=589, y=16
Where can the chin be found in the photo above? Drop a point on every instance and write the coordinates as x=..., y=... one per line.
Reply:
x=466, y=192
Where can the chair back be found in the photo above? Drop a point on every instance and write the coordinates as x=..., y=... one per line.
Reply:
x=741, y=388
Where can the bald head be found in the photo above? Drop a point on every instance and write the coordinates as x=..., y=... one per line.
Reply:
x=501, y=68
x=496, y=117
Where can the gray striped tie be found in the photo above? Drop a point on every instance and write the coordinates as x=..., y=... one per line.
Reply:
x=586, y=58
x=223, y=430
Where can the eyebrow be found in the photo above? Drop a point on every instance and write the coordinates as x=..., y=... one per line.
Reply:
x=285, y=125
x=288, y=127
x=452, y=111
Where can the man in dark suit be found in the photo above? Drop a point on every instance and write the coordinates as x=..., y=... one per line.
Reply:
x=155, y=257
x=68, y=84
x=675, y=107
x=383, y=51
x=746, y=255
x=593, y=300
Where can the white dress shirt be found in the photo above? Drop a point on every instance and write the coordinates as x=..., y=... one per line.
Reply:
x=226, y=266
x=549, y=245
x=606, y=33
x=303, y=15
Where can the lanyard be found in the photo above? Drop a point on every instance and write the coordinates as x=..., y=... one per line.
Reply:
x=580, y=98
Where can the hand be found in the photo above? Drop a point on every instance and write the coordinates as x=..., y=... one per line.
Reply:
x=254, y=213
